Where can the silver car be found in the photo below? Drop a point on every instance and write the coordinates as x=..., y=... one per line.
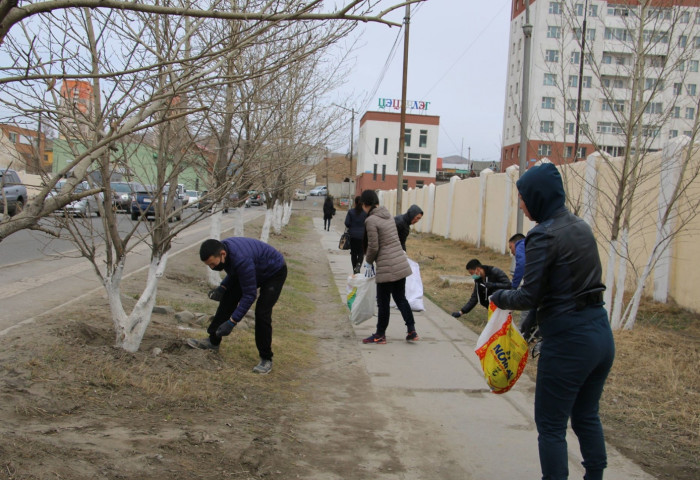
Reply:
x=84, y=207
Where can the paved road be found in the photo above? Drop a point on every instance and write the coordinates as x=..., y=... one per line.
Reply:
x=43, y=277
x=438, y=381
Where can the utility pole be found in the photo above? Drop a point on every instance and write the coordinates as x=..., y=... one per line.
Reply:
x=352, y=137
x=402, y=135
x=524, y=115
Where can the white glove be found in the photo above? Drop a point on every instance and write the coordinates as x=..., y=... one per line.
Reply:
x=369, y=270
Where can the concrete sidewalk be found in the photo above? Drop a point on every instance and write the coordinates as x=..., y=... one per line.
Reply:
x=439, y=380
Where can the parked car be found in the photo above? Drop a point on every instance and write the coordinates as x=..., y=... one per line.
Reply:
x=206, y=204
x=255, y=198
x=142, y=203
x=319, y=191
x=84, y=207
x=122, y=192
x=299, y=195
x=12, y=191
x=192, y=198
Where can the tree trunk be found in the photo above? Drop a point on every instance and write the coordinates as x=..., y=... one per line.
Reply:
x=265, y=233
x=616, y=315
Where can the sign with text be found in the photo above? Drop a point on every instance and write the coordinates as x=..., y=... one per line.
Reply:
x=395, y=104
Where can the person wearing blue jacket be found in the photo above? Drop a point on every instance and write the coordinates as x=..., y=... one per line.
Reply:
x=249, y=264
x=516, y=245
x=562, y=281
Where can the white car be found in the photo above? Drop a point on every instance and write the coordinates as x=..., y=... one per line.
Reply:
x=299, y=195
x=319, y=191
x=192, y=198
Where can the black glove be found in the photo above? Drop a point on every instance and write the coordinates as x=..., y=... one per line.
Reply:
x=225, y=328
x=217, y=294
x=456, y=314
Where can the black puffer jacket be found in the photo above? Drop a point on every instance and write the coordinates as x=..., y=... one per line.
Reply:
x=403, y=223
x=562, y=266
x=496, y=279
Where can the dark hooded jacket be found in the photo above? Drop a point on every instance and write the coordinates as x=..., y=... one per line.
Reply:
x=495, y=280
x=403, y=223
x=562, y=266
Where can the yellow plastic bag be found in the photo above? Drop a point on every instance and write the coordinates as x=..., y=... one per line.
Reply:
x=502, y=350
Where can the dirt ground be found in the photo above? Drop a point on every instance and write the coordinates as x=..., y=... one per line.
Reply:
x=74, y=407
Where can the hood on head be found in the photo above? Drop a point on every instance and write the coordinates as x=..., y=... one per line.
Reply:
x=413, y=211
x=542, y=190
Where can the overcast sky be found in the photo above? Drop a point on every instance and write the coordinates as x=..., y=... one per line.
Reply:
x=457, y=61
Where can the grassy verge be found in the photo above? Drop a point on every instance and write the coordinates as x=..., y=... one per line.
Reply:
x=651, y=404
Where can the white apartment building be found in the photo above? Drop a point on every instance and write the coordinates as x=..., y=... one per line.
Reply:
x=378, y=151
x=667, y=72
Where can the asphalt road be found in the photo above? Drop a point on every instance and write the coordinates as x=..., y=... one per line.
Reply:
x=38, y=273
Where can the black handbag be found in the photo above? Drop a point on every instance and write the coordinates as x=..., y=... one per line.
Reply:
x=344, y=243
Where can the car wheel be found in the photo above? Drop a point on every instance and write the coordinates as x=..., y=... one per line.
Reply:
x=19, y=206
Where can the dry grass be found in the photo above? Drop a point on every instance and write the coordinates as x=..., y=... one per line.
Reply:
x=651, y=404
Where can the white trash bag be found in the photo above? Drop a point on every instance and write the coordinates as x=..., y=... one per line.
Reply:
x=414, y=288
x=361, y=298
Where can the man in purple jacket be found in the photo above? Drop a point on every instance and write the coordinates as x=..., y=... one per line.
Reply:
x=249, y=264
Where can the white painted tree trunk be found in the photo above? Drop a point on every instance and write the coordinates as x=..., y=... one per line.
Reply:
x=238, y=225
x=287, y=215
x=616, y=316
x=265, y=233
x=590, y=190
x=112, y=283
x=277, y=217
x=130, y=330
x=610, y=274
x=213, y=277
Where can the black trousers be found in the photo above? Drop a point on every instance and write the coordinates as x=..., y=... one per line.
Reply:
x=397, y=290
x=270, y=291
x=356, y=253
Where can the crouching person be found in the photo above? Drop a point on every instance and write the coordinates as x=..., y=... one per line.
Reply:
x=249, y=264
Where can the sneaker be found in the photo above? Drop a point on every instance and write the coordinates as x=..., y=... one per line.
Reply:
x=356, y=269
x=202, y=344
x=374, y=338
x=264, y=367
x=412, y=336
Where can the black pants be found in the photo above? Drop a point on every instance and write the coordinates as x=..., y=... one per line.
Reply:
x=356, y=253
x=326, y=222
x=270, y=291
x=397, y=290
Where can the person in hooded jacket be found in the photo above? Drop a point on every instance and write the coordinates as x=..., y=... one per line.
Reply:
x=382, y=245
x=355, y=223
x=562, y=280
x=487, y=279
x=404, y=222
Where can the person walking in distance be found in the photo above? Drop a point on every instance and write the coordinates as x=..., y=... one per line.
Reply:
x=355, y=223
x=382, y=245
x=563, y=282
x=328, y=212
x=249, y=264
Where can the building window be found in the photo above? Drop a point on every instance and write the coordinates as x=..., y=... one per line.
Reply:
x=555, y=8
x=590, y=33
x=383, y=173
x=578, y=9
x=405, y=185
x=585, y=105
x=690, y=113
x=682, y=40
x=548, y=103
x=693, y=65
x=593, y=10
x=613, y=106
x=414, y=163
x=576, y=57
x=676, y=112
x=376, y=146
x=573, y=80
x=672, y=133
x=12, y=136
x=374, y=175
x=621, y=34
x=544, y=149
x=419, y=183
x=655, y=107
x=571, y=104
x=553, y=31
x=551, y=56
x=618, y=10
x=567, y=151
x=546, y=126
x=586, y=82
x=687, y=133
x=386, y=145
x=582, y=152
x=608, y=127
x=690, y=89
x=550, y=79
x=407, y=137
x=423, y=139
x=607, y=59
x=677, y=88
x=570, y=128
x=685, y=17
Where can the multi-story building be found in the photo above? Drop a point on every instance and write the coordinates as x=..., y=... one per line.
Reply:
x=30, y=148
x=76, y=109
x=378, y=151
x=648, y=51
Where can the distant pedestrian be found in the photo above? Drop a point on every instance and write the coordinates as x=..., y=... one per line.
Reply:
x=328, y=212
x=249, y=264
x=355, y=222
x=487, y=279
x=404, y=222
x=383, y=247
x=563, y=281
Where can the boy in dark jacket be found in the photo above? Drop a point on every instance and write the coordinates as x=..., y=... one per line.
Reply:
x=487, y=279
x=404, y=222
